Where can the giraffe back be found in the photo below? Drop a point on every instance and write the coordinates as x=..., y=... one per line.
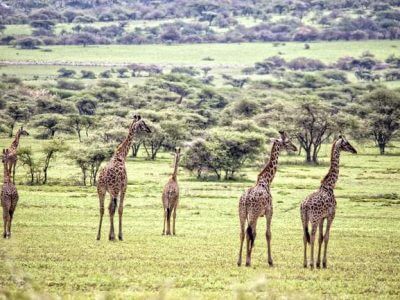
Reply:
x=320, y=204
x=170, y=195
x=9, y=196
x=256, y=200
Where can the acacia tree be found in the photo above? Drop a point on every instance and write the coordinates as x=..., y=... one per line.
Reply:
x=79, y=123
x=89, y=159
x=50, y=150
x=314, y=123
x=16, y=113
x=38, y=168
x=153, y=142
x=380, y=111
x=222, y=152
x=50, y=122
x=25, y=155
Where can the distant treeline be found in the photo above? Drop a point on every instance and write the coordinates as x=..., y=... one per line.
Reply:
x=205, y=21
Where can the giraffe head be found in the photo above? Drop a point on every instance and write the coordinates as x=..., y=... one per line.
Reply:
x=178, y=153
x=344, y=145
x=285, y=142
x=139, y=126
x=22, y=131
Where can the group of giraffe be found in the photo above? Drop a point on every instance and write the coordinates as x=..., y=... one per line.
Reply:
x=257, y=202
x=113, y=180
x=254, y=203
x=9, y=193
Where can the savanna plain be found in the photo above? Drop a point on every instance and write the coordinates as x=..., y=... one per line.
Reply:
x=54, y=250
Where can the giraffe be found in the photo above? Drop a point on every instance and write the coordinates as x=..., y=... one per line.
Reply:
x=113, y=178
x=170, y=196
x=12, y=160
x=9, y=195
x=257, y=201
x=321, y=205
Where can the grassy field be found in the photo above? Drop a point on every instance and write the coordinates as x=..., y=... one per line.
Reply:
x=193, y=54
x=225, y=59
x=53, y=250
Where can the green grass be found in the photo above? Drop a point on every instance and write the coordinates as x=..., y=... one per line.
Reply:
x=223, y=54
x=53, y=249
x=225, y=57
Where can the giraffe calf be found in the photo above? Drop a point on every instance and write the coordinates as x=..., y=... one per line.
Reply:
x=170, y=197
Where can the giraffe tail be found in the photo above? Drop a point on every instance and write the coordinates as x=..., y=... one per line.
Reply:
x=307, y=234
x=113, y=205
x=250, y=235
x=304, y=219
x=168, y=214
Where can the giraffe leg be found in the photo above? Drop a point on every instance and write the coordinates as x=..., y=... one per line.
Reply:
x=111, y=208
x=101, y=193
x=304, y=221
x=305, y=251
x=120, y=212
x=251, y=236
x=173, y=222
x=242, y=224
x=165, y=219
x=268, y=216
x=326, y=240
x=168, y=221
x=313, y=232
x=5, y=212
x=320, y=239
x=11, y=214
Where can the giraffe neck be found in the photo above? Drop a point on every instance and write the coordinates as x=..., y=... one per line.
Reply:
x=124, y=147
x=176, y=163
x=15, y=143
x=269, y=171
x=6, y=176
x=331, y=178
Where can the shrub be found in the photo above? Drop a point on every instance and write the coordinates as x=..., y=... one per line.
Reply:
x=306, y=64
x=70, y=85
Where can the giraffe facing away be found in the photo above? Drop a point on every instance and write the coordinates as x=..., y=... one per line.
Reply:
x=113, y=178
x=321, y=205
x=257, y=201
x=9, y=195
x=170, y=196
x=12, y=160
